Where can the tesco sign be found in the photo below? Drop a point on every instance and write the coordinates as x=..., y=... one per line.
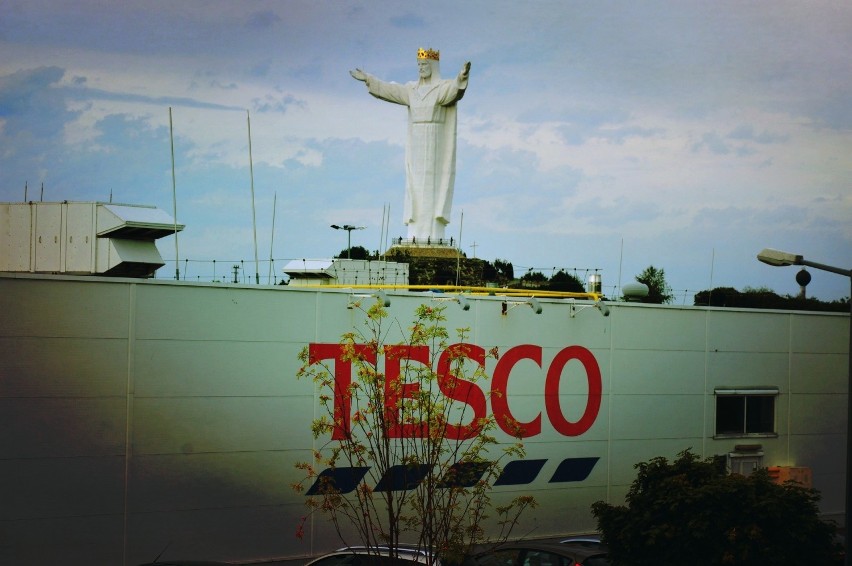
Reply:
x=463, y=391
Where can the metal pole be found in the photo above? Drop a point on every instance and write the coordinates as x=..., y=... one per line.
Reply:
x=272, y=238
x=848, y=429
x=349, y=243
x=824, y=267
x=458, y=254
x=174, y=196
x=253, y=215
x=778, y=258
x=846, y=515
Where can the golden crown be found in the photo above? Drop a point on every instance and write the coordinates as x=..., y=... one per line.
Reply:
x=428, y=54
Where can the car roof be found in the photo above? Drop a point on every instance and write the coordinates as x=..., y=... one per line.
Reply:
x=409, y=553
x=402, y=549
x=596, y=539
x=578, y=551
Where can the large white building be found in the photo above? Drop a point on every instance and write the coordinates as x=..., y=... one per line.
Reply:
x=137, y=414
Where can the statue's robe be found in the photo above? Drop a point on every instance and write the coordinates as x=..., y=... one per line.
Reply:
x=430, y=151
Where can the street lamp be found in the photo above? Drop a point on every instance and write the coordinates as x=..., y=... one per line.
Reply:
x=348, y=228
x=778, y=259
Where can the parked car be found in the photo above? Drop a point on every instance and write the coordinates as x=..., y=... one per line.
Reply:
x=588, y=540
x=376, y=556
x=186, y=563
x=539, y=553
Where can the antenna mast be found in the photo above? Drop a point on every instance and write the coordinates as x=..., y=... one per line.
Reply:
x=253, y=215
x=272, y=241
x=174, y=196
x=383, y=236
x=458, y=254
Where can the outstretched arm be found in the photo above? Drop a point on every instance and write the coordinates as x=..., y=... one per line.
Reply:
x=461, y=84
x=391, y=92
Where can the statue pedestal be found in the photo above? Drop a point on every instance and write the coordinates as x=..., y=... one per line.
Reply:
x=415, y=248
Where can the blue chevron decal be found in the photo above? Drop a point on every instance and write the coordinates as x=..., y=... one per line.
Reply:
x=462, y=474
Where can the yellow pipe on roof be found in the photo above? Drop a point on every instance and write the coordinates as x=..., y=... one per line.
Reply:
x=497, y=291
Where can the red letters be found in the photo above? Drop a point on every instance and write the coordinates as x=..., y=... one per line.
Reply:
x=342, y=380
x=460, y=390
x=551, y=391
x=499, y=398
x=396, y=391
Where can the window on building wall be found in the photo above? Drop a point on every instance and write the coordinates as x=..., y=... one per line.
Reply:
x=745, y=412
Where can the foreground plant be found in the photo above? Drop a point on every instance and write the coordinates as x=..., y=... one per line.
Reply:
x=691, y=512
x=407, y=456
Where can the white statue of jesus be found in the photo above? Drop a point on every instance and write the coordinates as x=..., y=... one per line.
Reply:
x=430, y=151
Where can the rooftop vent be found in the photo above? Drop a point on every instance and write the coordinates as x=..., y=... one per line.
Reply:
x=83, y=238
x=635, y=292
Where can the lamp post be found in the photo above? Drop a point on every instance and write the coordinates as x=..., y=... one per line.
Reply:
x=348, y=228
x=779, y=258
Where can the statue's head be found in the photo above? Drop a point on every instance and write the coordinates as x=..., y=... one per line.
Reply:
x=427, y=63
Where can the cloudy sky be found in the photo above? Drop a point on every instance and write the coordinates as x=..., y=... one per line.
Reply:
x=606, y=135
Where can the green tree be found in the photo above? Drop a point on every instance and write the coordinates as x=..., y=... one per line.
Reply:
x=564, y=281
x=690, y=512
x=764, y=298
x=659, y=291
x=409, y=413
x=534, y=279
x=505, y=270
x=355, y=252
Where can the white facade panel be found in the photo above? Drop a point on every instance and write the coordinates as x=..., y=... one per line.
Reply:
x=174, y=368
x=829, y=478
x=68, y=368
x=647, y=417
x=748, y=369
x=77, y=309
x=44, y=488
x=646, y=372
x=224, y=313
x=65, y=428
x=205, y=480
x=214, y=533
x=735, y=332
x=216, y=424
x=817, y=414
x=56, y=540
x=817, y=373
x=673, y=328
x=808, y=335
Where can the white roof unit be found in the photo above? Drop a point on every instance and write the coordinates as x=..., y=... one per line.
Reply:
x=346, y=272
x=82, y=238
x=134, y=222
